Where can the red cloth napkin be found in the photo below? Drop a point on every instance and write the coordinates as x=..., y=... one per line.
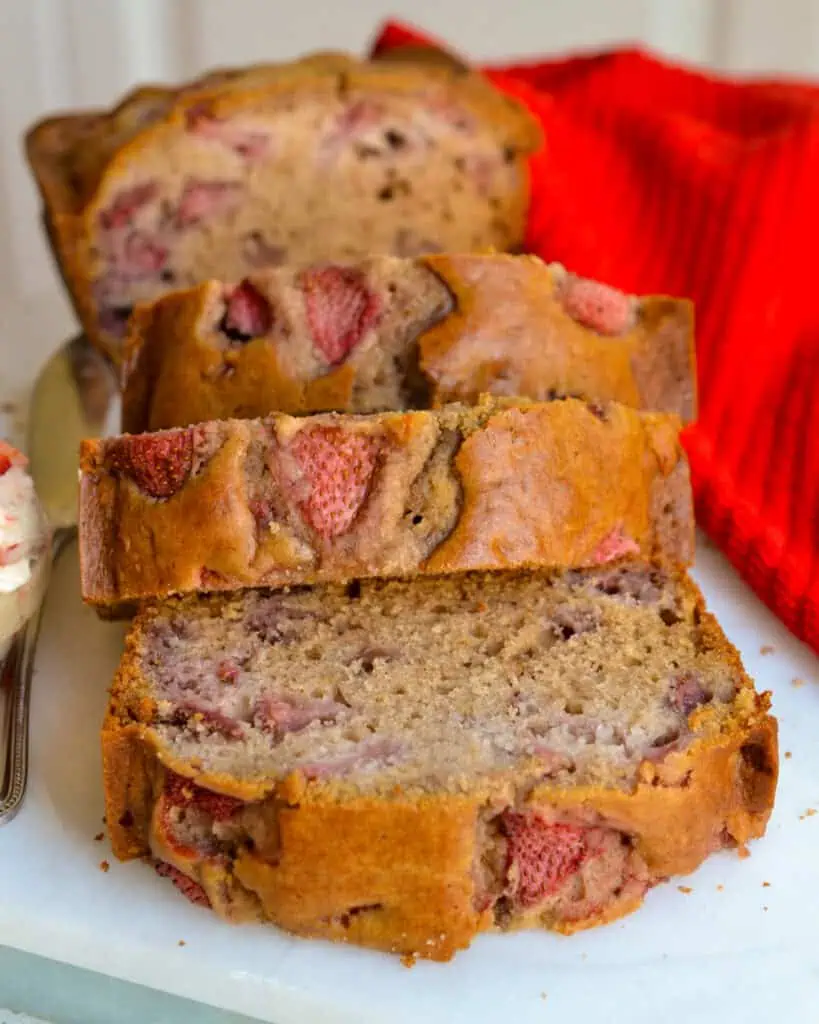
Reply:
x=656, y=178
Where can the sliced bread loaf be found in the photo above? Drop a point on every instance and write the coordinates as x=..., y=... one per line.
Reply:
x=391, y=333
x=284, y=499
x=405, y=764
x=324, y=158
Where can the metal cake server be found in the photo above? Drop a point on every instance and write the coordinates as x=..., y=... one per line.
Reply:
x=76, y=396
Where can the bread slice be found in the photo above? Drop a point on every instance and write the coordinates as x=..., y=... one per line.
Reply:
x=323, y=158
x=405, y=764
x=285, y=500
x=393, y=333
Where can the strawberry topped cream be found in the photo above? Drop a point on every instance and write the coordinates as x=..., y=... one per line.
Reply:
x=23, y=542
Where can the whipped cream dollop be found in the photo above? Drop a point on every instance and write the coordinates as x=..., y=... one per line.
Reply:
x=22, y=534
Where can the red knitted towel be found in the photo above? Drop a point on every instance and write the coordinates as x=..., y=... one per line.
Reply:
x=657, y=178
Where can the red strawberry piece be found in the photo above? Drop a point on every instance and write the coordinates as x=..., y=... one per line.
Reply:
x=192, y=890
x=337, y=466
x=616, y=544
x=540, y=856
x=340, y=308
x=181, y=792
x=248, y=314
x=687, y=693
x=289, y=713
x=202, y=200
x=250, y=143
x=142, y=255
x=158, y=464
x=227, y=672
x=121, y=212
x=598, y=306
x=10, y=457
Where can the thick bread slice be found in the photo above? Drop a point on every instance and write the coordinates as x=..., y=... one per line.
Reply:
x=392, y=333
x=405, y=764
x=323, y=158
x=285, y=500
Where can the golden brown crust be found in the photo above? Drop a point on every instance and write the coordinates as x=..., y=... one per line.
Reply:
x=75, y=157
x=506, y=332
x=171, y=371
x=398, y=873
x=485, y=341
x=540, y=485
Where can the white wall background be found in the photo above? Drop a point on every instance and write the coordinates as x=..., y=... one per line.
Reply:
x=57, y=54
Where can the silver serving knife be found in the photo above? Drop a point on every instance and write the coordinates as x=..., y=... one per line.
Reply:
x=76, y=396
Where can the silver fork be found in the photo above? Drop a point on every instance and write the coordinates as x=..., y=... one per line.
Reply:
x=76, y=396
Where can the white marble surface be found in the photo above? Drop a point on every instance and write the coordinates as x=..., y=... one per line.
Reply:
x=746, y=952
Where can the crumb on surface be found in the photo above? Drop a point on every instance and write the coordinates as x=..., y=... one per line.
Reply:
x=767, y=649
x=720, y=888
x=408, y=959
x=98, y=838
x=103, y=820
x=685, y=889
x=765, y=909
x=809, y=813
x=542, y=995
x=788, y=755
x=181, y=942
x=105, y=866
x=797, y=682
x=766, y=885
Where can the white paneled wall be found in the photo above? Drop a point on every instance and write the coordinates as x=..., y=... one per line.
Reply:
x=58, y=54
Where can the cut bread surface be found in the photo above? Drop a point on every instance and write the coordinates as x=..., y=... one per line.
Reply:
x=404, y=764
x=434, y=683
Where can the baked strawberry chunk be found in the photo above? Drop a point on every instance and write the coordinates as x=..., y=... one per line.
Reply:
x=337, y=467
x=341, y=308
x=158, y=464
x=540, y=856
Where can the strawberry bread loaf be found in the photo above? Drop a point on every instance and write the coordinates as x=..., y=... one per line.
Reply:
x=323, y=158
x=402, y=765
x=396, y=333
x=282, y=500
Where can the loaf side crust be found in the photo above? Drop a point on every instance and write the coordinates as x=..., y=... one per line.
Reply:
x=405, y=862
